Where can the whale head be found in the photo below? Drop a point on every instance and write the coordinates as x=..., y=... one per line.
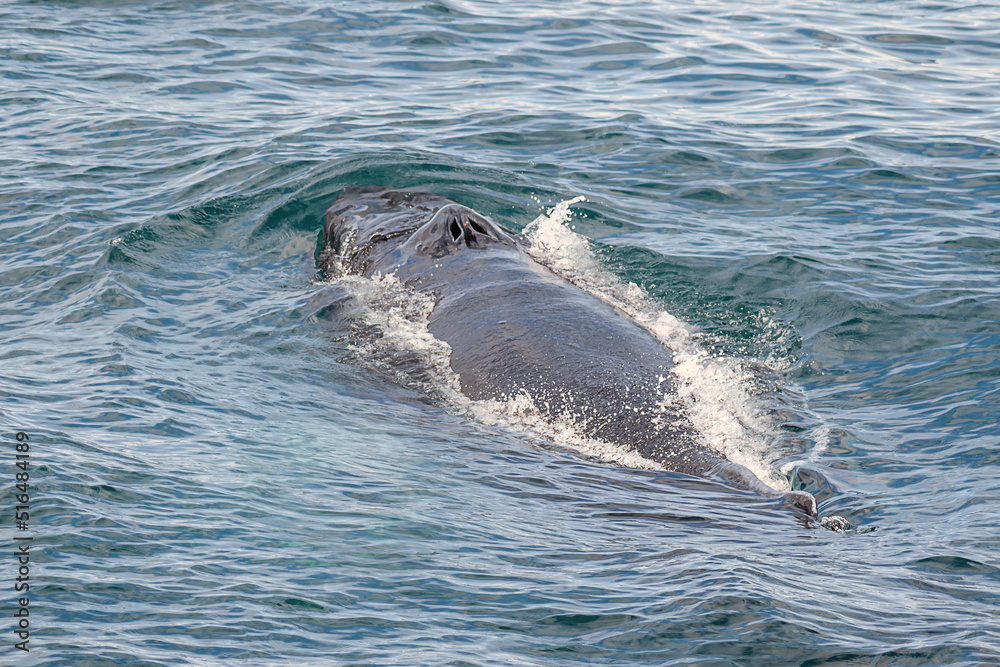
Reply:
x=381, y=231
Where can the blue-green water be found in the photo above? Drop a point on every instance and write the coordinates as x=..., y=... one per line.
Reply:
x=216, y=480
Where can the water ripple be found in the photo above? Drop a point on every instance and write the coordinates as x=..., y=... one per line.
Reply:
x=814, y=186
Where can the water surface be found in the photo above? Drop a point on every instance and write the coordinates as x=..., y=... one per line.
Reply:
x=812, y=187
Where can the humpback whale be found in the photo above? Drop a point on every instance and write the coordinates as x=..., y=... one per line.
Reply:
x=517, y=329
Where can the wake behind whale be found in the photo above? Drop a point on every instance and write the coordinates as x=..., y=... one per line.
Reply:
x=515, y=331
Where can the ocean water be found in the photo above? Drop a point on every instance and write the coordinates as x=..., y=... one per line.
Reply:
x=229, y=465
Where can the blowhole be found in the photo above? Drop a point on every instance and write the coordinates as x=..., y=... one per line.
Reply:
x=456, y=230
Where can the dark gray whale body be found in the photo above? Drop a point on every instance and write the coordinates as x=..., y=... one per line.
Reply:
x=515, y=327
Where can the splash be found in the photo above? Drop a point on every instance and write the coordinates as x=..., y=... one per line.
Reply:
x=402, y=343
x=519, y=414
x=715, y=391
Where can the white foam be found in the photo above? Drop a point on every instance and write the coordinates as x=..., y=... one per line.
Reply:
x=521, y=414
x=400, y=315
x=714, y=390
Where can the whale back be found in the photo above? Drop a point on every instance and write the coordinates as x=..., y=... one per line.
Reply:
x=519, y=331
